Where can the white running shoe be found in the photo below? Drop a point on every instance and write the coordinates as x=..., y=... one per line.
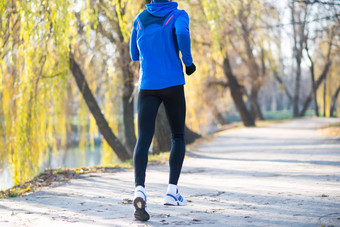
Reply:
x=175, y=200
x=139, y=202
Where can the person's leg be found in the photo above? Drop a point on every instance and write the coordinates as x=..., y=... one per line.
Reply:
x=147, y=111
x=148, y=105
x=174, y=103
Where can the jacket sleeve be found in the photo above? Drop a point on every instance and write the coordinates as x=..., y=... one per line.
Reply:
x=134, y=52
x=183, y=38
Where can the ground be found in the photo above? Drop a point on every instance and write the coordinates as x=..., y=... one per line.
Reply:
x=285, y=174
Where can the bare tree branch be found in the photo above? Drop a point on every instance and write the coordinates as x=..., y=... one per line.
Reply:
x=311, y=2
x=298, y=22
x=105, y=33
x=279, y=79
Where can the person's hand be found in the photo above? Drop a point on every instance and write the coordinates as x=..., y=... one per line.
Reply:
x=190, y=69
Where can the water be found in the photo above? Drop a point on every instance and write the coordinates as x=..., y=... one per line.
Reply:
x=6, y=180
x=71, y=158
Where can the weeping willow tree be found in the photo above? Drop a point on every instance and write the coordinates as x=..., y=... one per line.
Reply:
x=35, y=39
x=36, y=95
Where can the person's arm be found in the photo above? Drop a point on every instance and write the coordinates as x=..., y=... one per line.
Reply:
x=184, y=42
x=134, y=52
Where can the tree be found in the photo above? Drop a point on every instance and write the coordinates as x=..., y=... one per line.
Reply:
x=308, y=31
x=237, y=91
x=33, y=69
x=299, y=14
x=314, y=88
x=116, y=31
x=102, y=124
x=316, y=85
x=322, y=77
x=244, y=17
x=213, y=12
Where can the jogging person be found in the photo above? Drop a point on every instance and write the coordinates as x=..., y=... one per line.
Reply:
x=159, y=33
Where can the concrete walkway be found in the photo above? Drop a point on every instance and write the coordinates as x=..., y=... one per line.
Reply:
x=281, y=175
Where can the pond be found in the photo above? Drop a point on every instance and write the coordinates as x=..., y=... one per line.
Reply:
x=70, y=158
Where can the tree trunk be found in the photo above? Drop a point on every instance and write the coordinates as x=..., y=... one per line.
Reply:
x=254, y=70
x=162, y=138
x=255, y=109
x=124, y=61
x=237, y=93
x=317, y=85
x=162, y=141
x=334, y=99
x=324, y=97
x=315, y=100
x=220, y=119
x=296, y=98
x=122, y=153
x=282, y=84
x=128, y=88
x=312, y=72
x=299, y=40
x=190, y=136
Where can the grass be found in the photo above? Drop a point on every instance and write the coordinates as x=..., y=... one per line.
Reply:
x=52, y=177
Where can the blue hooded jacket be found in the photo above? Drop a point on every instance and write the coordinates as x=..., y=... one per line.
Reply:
x=159, y=33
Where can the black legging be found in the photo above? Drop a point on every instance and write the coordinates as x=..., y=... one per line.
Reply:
x=148, y=103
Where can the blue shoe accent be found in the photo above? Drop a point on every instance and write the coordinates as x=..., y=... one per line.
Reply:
x=143, y=194
x=172, y=196
x=174, y=200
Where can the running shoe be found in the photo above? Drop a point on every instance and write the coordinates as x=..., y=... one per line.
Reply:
x=139, y=202
x=175, y=200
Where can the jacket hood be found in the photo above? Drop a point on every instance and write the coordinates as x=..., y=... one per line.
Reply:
x=161, y=9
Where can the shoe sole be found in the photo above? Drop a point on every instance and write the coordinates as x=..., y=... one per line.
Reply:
x=174, y=203
x=140, y=212
x=171, y=204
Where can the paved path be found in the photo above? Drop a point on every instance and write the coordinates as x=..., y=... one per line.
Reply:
x=281, y=175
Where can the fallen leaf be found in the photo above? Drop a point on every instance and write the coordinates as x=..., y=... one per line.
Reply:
x=127, y=201
x=217, y=209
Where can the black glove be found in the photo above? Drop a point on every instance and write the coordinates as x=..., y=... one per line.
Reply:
x=190, y=69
